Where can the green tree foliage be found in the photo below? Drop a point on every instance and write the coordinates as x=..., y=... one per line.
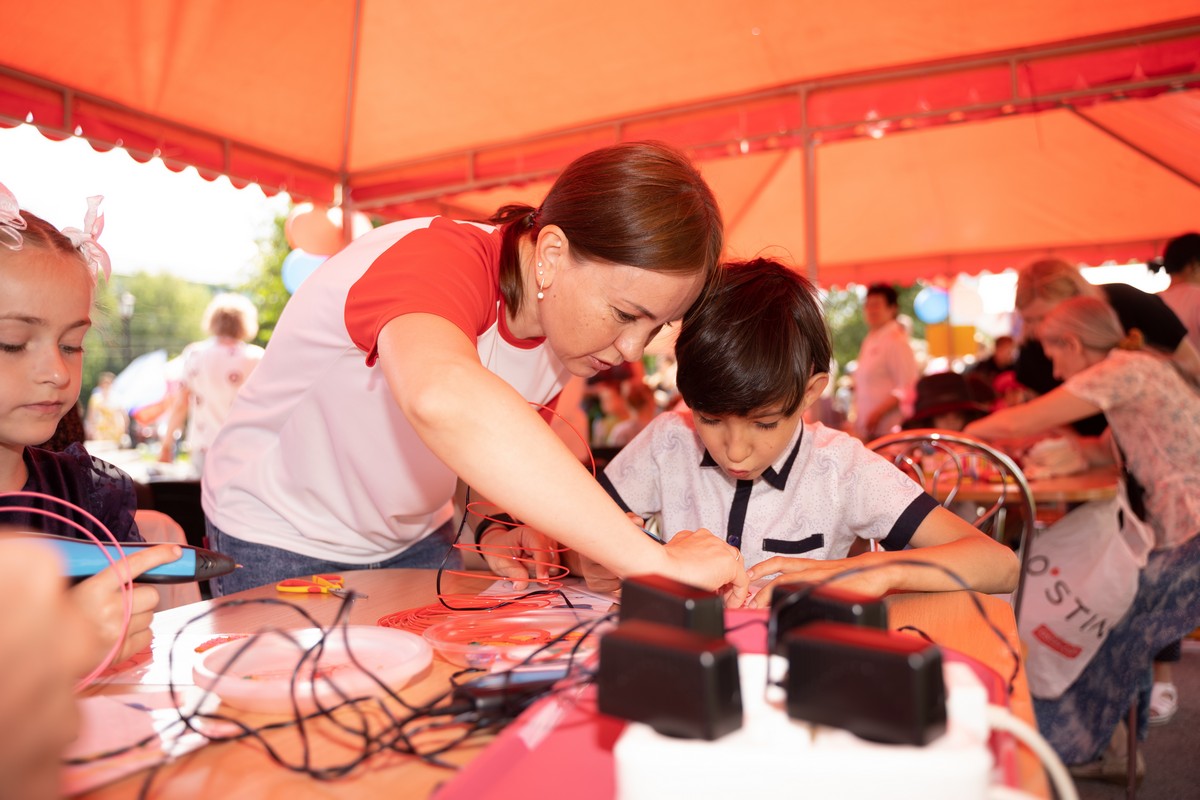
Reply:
x=847, y=329
x=166, y=315
x=843, y=312
x=168, y=311
x=265, y=287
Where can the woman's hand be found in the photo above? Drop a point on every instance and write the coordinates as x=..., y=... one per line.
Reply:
x=518, y=553
x=873, y=583
x=99, y=600
x=598, y=577
x=702, y=559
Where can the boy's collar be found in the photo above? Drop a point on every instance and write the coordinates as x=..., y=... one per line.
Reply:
x=775, y=479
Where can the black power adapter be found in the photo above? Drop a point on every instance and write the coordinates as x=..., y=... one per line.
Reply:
x=679, y=682
x=798, y=603
x=501, y=696
x=882, y=686
x=659, y=599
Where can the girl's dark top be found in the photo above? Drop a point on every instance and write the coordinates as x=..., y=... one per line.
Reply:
x=1136, y=309
x=75, y=476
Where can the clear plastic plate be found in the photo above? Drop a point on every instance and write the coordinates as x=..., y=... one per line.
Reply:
x=260, y=677
x=481, y=640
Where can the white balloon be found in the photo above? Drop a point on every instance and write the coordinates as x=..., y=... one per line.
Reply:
x=966, y=303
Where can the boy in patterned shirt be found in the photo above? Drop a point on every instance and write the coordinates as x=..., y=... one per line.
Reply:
x=793, y=496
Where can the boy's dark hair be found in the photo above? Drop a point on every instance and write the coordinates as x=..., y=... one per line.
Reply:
x=754, y=343
x=886, y=291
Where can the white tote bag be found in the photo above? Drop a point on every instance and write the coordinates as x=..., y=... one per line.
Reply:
x=1080, y=580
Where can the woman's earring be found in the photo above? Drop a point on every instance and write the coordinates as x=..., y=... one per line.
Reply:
x=541, y=283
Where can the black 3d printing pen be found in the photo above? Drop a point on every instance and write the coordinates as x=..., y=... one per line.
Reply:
x=82, y=559
x=651, y=535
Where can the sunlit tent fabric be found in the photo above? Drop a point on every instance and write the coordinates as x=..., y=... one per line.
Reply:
x=862, y=139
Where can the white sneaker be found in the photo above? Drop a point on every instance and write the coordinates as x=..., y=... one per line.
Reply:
x=1164, y=703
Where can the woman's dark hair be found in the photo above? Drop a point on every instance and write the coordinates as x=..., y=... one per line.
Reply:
x=641, y=204
x=754, y=343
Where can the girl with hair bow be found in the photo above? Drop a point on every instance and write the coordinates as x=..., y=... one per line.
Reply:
x=49, y=280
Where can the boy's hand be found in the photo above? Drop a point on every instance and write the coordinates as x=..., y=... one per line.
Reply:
x=872, y=582
x=99, y=599
x=516, y=554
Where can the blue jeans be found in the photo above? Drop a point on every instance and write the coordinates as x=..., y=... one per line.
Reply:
x=1079, y=723
x=262, y=564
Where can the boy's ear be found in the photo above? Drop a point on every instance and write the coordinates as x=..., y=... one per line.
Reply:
x=816, y=385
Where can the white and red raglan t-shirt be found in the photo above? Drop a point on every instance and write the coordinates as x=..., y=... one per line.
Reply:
x=316, y=457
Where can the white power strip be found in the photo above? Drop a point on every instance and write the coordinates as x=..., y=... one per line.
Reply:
x=773, y=755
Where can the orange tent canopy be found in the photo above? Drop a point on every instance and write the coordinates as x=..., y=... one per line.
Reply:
x=865, y=138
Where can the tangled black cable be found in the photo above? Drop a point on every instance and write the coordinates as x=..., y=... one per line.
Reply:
x=398, y=733
x=441, y=596
x=773, y=620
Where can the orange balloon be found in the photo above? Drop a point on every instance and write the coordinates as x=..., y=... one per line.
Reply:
x=310, y=229
x=360, y=223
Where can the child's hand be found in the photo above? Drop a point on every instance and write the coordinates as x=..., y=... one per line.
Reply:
x=47, y=646
x=99, y=600
x=537, y=551
x=872, y=583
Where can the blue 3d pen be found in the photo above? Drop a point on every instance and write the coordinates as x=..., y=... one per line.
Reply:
x=82, y=559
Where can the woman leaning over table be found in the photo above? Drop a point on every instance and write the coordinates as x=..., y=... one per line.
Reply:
x=1044, y=284
x=1154, y=418
x=418, y=353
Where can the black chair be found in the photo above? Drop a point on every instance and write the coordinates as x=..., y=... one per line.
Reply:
x=180, y=500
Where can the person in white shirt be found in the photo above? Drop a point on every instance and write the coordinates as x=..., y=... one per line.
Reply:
x=792, y=496
x=213, y=372
x=887, y=368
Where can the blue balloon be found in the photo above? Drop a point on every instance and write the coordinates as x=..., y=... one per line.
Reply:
x=932, y=305
x=298, y=265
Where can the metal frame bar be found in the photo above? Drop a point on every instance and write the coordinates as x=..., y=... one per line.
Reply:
x=809, y=135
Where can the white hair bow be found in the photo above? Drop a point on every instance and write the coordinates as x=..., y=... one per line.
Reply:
x=11, y=221
x=86, y=240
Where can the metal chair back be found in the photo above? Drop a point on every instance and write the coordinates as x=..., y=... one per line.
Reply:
x=955, y=468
